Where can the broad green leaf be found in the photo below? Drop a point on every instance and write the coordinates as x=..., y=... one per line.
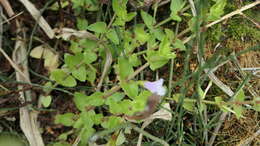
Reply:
x=155, y=59
x=126, y=107
x=130, y=88
x=240, y=96
x=120, y=138
x=170, y=34
x=96, y=99
x=64, y=135
x=121, y=107
x=111, y=122
x=125, y=68
x=164, y=47
x=97, y=119
x=80, y=100
x=87, y=118
x=217, y=10
x=87, y=44
x=89, y=57
x=65, y=119
x=116, y=97
x=91, y=76
x=74, y=47
x=119, y=22
x=176, y=6
x=63, y=78
x=189, y=106
x=73, y=60
x=179, y=44
x=175, y=17
x=82, y=24
x=47, y=87
x=134, y=60
x=148, y=19
x=115, y=108
x=130, y=16
x=78, y=3
x=98, y=27
x=158, y=33
x=112, y=36
x=140, y=33
x=86, y=134
x=140, y=102
x=79, y=123
x=91, y=5
x=45, y=100
x=152, y=43
x=119, y=7
x=238, y=109
x=80, y=73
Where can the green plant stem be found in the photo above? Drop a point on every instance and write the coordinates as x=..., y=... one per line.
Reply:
x=149, y=135
x=163, y=22
x=103, y=133
x=117, y=87
x=141, y=52
x=171, y=67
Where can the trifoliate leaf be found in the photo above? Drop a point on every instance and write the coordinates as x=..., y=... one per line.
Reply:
x=63, y=78
x=80, y=73
x=73, y=60
x=89, y=57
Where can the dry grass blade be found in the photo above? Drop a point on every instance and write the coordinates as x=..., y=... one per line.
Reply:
x=28, y=118
x=67, y=33
x=38, y=18
x=106, y=68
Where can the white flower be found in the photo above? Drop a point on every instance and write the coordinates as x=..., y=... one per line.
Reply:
x=155, y=87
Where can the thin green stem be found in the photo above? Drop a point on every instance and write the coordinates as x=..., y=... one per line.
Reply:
x=149, y=135
x=163, y=22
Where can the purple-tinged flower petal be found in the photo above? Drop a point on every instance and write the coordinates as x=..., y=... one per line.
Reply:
x=155, y=87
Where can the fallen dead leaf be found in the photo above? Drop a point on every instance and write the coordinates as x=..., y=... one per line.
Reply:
x=66, y=33
x=51, y=58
